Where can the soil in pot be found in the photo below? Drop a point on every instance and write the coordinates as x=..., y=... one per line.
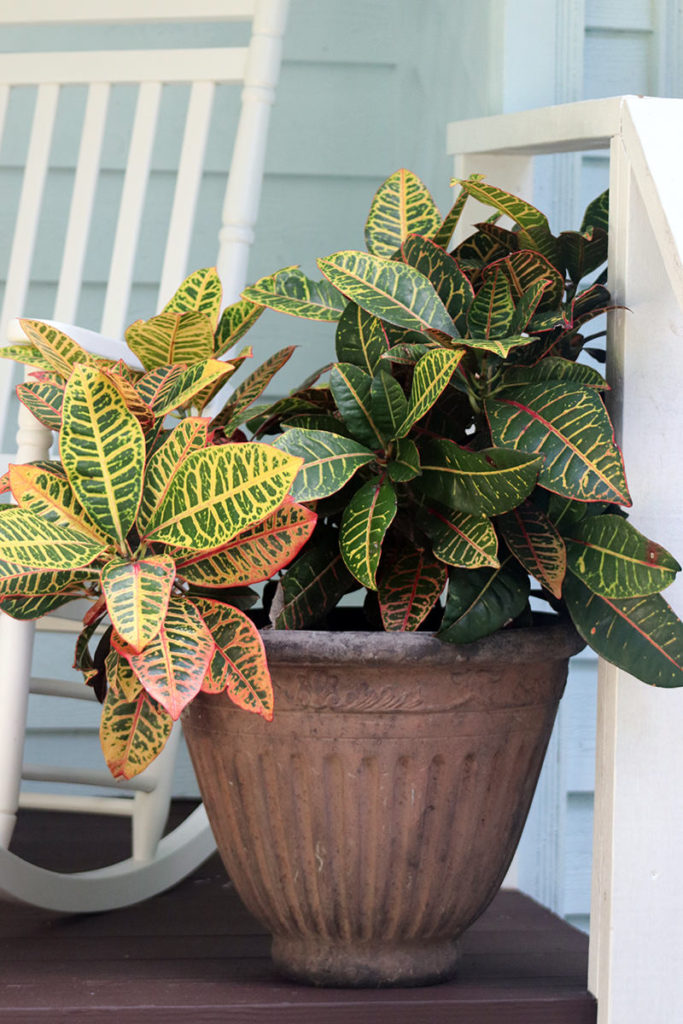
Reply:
x=373, y=820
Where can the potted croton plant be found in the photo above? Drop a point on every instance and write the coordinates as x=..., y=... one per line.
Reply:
x=459, y=447
x=151, y=516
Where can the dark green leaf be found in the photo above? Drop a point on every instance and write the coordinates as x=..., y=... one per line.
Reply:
x=480, y=601
x=488, y=482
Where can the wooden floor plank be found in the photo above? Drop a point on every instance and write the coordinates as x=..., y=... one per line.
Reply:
x=195, y=954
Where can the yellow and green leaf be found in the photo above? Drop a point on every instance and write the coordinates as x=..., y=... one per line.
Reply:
x=462, y=539
x=57, y=348
x=432, y=373
x=452, y=285
x=171, y=337
x=30, y=542
x=360, y=338
x=121, y=678
x=329, y=461
x=132, y=733
x=389, y=290
x=137, y=595
x=162, y=466
x=492, y=311
x=172, y=666
x=615, y=560
x=234, y=323
x=291, y=291
x=487, y=482
x=536, y=544
x=313, y=585
x=220, y=491
x=44, y=398
x=26, y=353
x=255, y=554
x=364, y=524
x=240, y=646
x=201, y=292
x=402, y=205
x=642, y=635
x=173, y=387
x=351, y=387
x=409, y=589
x=102, y=448
x=534, y=228
x=249, y=390
x=404, y=463
x=568, y=426
x=42, y=488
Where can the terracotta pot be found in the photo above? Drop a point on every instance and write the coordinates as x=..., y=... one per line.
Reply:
x=375, y=817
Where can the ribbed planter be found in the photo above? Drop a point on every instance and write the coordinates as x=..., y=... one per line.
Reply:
x=375, y=817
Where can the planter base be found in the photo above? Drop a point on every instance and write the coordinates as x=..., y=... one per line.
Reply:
x=365, y=964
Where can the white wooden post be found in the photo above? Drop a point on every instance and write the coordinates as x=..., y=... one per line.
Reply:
x=636, y=946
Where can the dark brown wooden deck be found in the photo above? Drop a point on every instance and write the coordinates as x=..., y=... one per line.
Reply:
x=195, y=955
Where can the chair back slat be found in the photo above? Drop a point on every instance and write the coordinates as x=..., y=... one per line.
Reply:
x=188, y=183
x=130, y=210
x=4, y=102
x=82, y=201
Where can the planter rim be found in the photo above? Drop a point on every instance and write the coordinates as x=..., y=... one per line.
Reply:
x=554, y=641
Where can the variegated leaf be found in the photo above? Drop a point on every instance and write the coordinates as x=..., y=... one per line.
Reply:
x=432, y=373
x=44, y=398
x=26, y=353
x=162, y=466
x=388, y=404
x=364, y=524
x=526, y=269
x=534, y=541
x=389, y=290
x=526, y=306
x=171, y=337
x=131, y=396
x=290, y=291
x=534, y=228
x=241, y=647
x=597, y=213
x=17, y=581
x=406, y=353
x=220, y=491
x=463, y=539
x=614, y=560
x=314, y=584
x=360, y=338
x=501, y=346
x=350, y=387
x=452, y=285
x=487, y=482
x=174, y=387
x=481, y=601
x=568, y=426
x=102, y=448
x=45, y=491
x=450, y=222
x=329, y=461
x=35, y=607
x=121, y=678
x=172, y=666
x=642, y=635
x=554, y=368
x=57, y=348
x=249, y=390
x=132, y=733
x=29, y=542
x=405, y=460
x=401, y=205
x=492, y=311
x=409, y=589
x=137, y=595
x=253, y=555
x=234, y=323
x=201, y=292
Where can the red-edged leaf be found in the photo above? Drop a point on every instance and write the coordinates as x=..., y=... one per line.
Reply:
x=239, y=644
x=255, y=554
x=409, y=589
x=172, y=667
x=536, y=544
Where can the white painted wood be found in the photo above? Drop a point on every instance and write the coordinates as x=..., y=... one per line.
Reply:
x=220, y=64
x=636, y=934
x=120, y=807
x=26, y=224
x=83, y=197
x=156, y=862
x=85, y=11
x=187, y=187
x=130, y=211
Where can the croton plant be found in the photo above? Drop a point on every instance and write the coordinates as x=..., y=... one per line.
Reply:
x=152, y=515
x=460, y=443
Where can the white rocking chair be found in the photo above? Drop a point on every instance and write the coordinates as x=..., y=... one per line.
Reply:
x=155, y=862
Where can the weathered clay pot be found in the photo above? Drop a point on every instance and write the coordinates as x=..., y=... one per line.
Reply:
x=375, y=817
